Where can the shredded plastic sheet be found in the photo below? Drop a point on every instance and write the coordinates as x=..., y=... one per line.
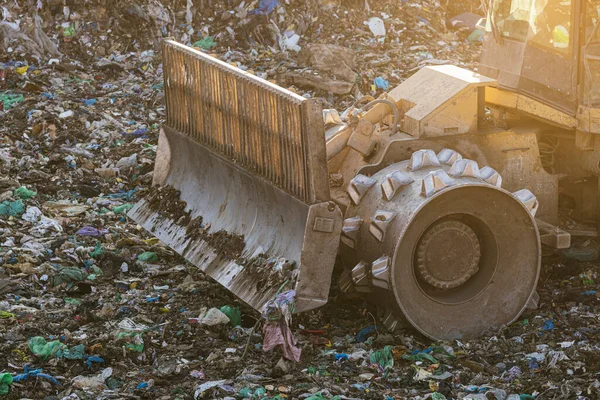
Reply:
x=43, y=349
x=206, y=43
x=420, y=356
x=206, y=386
x=36, y=44
x=265, y=7
x=129, y=325
x=98, y=250
x=276, y=330
x=279, y=333
x=24, y=193
x=91, y=231
x=11, y=208
x=383, y=359
x=122, y=209
x=9, y=100
x=69, y=275
x=29, y=372
x=148, y=256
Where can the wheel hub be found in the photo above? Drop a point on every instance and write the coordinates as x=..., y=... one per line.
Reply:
x=448, y=255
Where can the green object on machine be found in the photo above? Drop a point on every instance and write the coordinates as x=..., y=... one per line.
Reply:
x=24, y=193
x=6, y=380
x=234, y=314
x=11, y=208
x=148, y=256
x=43, y=349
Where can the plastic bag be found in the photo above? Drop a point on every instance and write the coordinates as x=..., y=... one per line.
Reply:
x=9, y=100
x=6, y=380
x=91, y=231
x=43, y=349
x=122, y=209
x=420, y=356
x=69, y=275
x=148, y=256
x=383, y=358
x=206, y=43
x=98, y=250
x=74, y=353
x=11, y=208
x=24, y=193
x=234, y=314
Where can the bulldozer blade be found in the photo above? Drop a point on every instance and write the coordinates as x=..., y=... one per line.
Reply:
x=255, y=236
x=248, y=159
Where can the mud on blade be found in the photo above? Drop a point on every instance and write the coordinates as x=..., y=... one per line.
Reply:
x=248, y=160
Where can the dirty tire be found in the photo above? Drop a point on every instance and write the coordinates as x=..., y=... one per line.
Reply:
x=439, y=243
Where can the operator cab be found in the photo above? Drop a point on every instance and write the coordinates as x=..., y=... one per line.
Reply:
x=541, y=47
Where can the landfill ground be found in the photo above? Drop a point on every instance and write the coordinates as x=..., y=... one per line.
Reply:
x=93, y=307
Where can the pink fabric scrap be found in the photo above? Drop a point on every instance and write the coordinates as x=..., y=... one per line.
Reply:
x=279, y=333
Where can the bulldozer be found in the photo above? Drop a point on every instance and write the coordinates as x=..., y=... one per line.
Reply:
x=433, y=200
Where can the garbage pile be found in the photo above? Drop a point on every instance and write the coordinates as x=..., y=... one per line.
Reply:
x=333, y=50
x=91, y=306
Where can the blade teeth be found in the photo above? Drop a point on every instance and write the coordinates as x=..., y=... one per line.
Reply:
x=491, y=176
x=350, y=231
x=380, y=223
x=359, y=185
x=465, y=168
x=393, y=183
x=448, y=156
x=528, y=199
x=434, y=182
x=423, y=158
x=360, y=277
x=390, y=321
x=380, y=273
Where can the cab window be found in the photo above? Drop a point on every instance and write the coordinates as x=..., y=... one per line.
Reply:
x=546, y=23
